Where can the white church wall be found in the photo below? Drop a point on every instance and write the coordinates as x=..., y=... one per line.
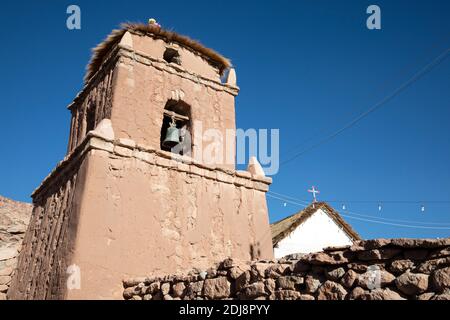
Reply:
x=314, y=234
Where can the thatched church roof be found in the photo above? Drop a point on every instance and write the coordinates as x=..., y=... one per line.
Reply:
x=100, y=52
x=283, y=228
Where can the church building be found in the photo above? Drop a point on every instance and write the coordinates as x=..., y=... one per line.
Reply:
x=310, y=230
x=133, y=194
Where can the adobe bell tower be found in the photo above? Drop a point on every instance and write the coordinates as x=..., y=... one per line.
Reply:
x=144, y=189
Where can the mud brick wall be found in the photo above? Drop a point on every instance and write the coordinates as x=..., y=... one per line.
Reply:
x=129, y=209
x=382, y=269
x=93, y=104
x=41, y=269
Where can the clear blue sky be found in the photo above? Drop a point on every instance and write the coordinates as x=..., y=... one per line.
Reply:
x=304, y=67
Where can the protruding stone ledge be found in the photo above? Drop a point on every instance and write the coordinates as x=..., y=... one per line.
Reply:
x=127, y=148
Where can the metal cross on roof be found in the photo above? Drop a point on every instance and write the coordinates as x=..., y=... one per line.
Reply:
x=314, y=191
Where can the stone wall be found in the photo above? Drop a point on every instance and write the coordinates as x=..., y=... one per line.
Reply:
x=14, y=218
x=381, y=269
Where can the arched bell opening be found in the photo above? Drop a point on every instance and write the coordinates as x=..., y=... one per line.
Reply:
x=176, y=128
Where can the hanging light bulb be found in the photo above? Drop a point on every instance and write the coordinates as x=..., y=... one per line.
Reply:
x=284, y=204
x=422, y=208
x=379, y=207
x=343, y=207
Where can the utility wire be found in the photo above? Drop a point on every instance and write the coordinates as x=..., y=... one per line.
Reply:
x=373, y=201
x=357, y=216
x=440, y=58
x=370, y=216
x=383, y=85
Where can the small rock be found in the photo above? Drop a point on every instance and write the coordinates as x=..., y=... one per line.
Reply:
x=412, y=283
x=165, y=288
x=441, y=279
x=312, y=283
x=178, y=289
x=378, y=254
x=153, y=287
x=426, y=296
x=370, y=244
x=203, y=275
x=259, y=270
x=147, y=297
x=431, y=265
x=357, y=293
x=375, y=278
x=400, y=266
x=331, y=291
x=253, y=291
x=167, y=297
x=289, y=282
x=444, y=296
x=236, y=271
x=227, y=263
x=270, y=285
x=243, y=280
x=306, y=297
x=211, y=273
x=129, y=292
x=382, y=294
x=358, y=267
x=329, y=258
x=287, y=295
x=216, y=288
x=336, y=274
x=195, y=287
x=3, y=288
x=349, y=278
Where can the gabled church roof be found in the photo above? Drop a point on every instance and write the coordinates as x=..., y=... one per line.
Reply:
x=100, y=52
x=283, y=228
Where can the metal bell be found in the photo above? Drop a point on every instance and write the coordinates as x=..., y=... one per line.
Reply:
x=172, y=137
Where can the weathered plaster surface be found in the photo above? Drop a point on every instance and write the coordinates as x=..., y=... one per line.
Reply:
x=120, y=207
x=135, y=210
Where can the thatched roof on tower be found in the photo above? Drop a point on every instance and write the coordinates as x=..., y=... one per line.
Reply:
x=100, y=51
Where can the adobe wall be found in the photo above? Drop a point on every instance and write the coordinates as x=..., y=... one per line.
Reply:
x=132, y=210
x=95, y=99
x=48, y=243
x=145, y=83
x=381, y=269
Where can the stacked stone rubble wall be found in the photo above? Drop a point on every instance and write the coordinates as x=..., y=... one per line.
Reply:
x=382, y=269
x=14, y=218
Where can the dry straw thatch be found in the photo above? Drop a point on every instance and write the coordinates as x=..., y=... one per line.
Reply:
x=100, y=52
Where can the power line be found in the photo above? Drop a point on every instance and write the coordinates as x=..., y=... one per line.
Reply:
x=382, y=86
x=370, y=216
x=357, y=216
x=440, y=58
x=377, y=201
